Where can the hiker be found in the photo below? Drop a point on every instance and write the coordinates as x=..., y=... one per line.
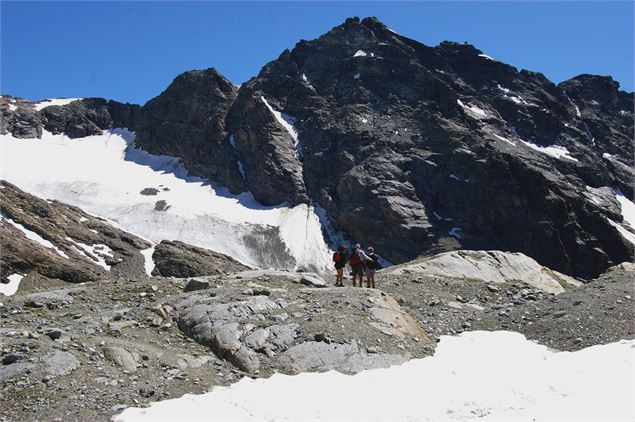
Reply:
x=339, y=258
x=357, y=259
x=371, y=267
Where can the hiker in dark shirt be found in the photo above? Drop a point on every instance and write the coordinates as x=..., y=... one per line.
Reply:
x=356, y=261
x=339, y=258
x=371, y=267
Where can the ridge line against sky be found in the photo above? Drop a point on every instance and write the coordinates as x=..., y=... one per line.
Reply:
x=131, y=51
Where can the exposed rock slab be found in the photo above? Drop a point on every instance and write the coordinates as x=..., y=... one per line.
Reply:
x=488, y=267
x=178, y=259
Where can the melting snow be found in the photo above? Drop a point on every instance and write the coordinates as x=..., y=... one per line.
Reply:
x=95, y=253
x=628, y=208
x=485, y=56
x=31, y=235
x=104, y=174
x=241, y=169
x=12, y=287
x=555, y=151
x=477, y=375
x=360, y=53
x=148, y=262
x=625, y=233
x=456, y=232
x=472, y=110
x=505, y=90
x=438, y=216
x=504, y=139
x=288, y=123
x=54, y=102
x=577, y=111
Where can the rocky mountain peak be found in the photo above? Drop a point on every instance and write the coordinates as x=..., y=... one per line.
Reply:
x=439, y=147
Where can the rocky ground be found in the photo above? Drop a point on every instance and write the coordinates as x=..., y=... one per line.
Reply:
x=101, y=346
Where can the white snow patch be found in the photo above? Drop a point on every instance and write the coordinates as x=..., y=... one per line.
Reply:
x=473, y=111
x=439, y=217
x=31, y=235
x=95, y=253
x=232, y=141
x=304, y=78
x=625, y=233
x=241, y=169
x=13, y=107
x=103, y=174
x=624, y=112
x=627, y=207
x=360, y=53
x=82, y=219
x=485, y=56
x=504, y=139
x=468, y=378
x=577, y=111
x=148, y=262
x=455, y=177
x=364, y=119
x=555, y=151
x=12, y=287
x=356, y=76
x=288, y=123
x=505, y=90
x=54, y=102
x=456, y=232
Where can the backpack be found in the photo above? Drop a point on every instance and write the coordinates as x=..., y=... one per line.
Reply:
x=355, y=259
x=374, y=265
x=336, y=256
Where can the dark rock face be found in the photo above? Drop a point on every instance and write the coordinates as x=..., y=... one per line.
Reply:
x=178, y=259
x=188, y=120
x=401, y=143
x=80, y=118
x=413, y=149
x=74, y=239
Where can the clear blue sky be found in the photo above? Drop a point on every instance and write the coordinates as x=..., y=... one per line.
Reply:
x=131, y=51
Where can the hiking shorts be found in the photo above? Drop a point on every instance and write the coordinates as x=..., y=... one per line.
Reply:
x=358, y=270
x=370, y=272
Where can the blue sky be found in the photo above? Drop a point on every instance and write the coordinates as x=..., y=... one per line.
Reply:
x=132, y=51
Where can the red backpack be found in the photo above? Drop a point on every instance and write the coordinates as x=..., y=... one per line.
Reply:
x=355, y=259
x=336, y=256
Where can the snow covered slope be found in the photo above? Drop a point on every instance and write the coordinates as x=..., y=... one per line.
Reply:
x=478, y=375
x=154, y=197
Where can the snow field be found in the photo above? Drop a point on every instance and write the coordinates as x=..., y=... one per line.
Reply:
x=477, y=375
x=54, y=102
x=105, y=174
x=12, y=287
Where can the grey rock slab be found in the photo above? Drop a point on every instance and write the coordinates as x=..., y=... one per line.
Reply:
x=121, y=357
x=312, y=280
x=60, y=363
x=8, y=372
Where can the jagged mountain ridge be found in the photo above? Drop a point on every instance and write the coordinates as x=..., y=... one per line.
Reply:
x=401, y=143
